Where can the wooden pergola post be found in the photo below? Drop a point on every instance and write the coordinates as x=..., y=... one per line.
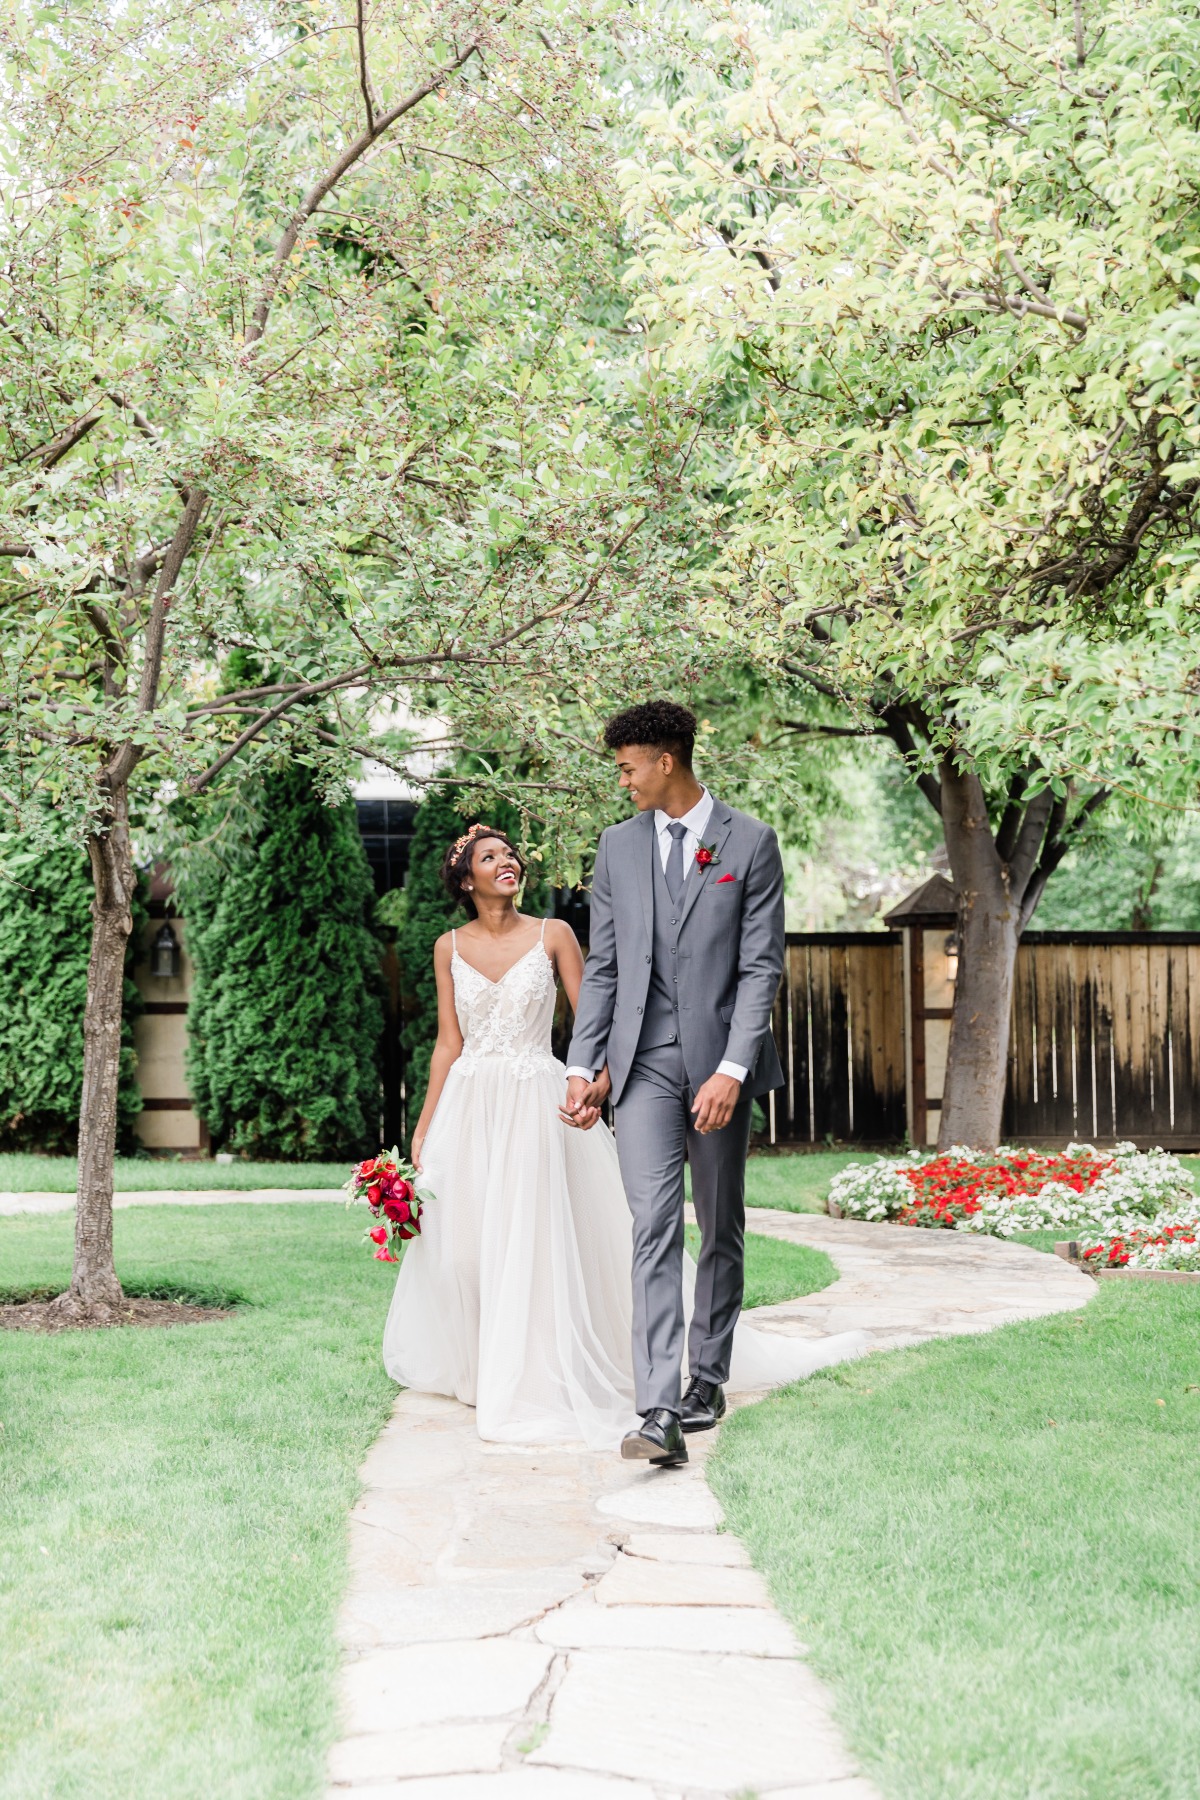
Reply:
x=927, y=920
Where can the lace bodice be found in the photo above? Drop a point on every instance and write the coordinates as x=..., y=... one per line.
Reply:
x=510, y=1017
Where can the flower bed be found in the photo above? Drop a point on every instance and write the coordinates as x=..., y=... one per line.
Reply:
x=1129, y=1206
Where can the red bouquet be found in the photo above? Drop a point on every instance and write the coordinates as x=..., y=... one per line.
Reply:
x=389, y=1188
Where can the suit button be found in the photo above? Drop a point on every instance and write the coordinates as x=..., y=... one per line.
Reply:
x=672, y=949
x=647, y=959
x=639, y=1009
x=674, y=921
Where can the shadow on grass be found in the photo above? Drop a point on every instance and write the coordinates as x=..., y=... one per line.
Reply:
x=209, y=1294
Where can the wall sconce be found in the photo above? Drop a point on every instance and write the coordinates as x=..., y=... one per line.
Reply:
x=164, y=954
x=952, y=957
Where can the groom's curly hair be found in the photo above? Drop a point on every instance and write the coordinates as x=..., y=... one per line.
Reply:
x=655, y=725
x=456, y=864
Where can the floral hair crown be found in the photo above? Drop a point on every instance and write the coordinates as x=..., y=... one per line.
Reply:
x=467, y=838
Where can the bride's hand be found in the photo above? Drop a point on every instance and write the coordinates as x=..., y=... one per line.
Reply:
x=418, y=1145
x=584, y=1100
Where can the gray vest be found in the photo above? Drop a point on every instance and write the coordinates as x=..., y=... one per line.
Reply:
x=660, y=1022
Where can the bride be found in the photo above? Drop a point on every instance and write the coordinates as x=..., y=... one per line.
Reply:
x=516, y=1297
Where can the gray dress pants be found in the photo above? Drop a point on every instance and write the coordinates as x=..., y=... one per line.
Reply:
x=655, y=1132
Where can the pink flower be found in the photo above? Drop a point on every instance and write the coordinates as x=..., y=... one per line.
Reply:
x=385, y=1256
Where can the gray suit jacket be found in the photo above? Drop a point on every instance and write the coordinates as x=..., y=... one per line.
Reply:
x=730, y=952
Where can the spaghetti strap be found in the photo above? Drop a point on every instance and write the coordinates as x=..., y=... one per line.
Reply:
x=453, y=941
x=542, y=933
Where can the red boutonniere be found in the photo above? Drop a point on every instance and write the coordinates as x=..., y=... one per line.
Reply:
x=706, y=856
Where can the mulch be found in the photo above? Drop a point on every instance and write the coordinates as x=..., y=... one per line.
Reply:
x=45, y=1316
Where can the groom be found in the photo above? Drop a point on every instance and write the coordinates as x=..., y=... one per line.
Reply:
x=674, y=1014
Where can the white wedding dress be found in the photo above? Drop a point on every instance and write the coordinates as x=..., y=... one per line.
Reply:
x=517, y=1297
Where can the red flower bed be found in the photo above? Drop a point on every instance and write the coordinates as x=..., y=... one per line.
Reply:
x=1116, y=1252
x=950, y=1188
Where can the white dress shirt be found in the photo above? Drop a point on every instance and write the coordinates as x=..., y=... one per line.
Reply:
x=696, y=821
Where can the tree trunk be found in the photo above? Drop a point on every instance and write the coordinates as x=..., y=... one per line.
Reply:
x=95, y=1291
x=989, y=931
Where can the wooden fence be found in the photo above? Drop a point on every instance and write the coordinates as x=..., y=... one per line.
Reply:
x=839, y=1025
x=1104, y=1042
x=1105, y=1038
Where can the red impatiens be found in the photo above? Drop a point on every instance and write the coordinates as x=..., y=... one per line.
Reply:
x=950, y=1188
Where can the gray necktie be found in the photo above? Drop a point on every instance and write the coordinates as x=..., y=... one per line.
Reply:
x=674, y=871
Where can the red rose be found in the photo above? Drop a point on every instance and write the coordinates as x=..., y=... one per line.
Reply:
x=397, y=1210
x=402, y=1190
x=379, y=1235
x=366, y=1169
x=703, y=857
x=375, y=1194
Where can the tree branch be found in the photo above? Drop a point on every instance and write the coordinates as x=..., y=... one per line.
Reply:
x=1030, y=838
x=329, y=180
x=898, y=729
x=122, y=764
x=1010, y=821
x=364, y=80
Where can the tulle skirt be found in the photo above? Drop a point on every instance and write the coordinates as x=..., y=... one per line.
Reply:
x=516, y=1298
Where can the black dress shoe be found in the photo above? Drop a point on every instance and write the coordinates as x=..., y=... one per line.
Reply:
x=657, y=1440
x=703, y=1405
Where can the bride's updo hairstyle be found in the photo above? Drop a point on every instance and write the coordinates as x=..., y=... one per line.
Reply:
x=456, y=864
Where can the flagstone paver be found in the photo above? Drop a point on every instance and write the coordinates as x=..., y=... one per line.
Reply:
x=549, y=1624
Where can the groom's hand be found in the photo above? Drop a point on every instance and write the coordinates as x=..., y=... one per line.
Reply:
x=715, y=1101
x=584, y=1100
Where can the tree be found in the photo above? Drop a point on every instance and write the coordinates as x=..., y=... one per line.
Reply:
x=293, y=362
x=943, y=259
x=44, y=922
x=285, y=1017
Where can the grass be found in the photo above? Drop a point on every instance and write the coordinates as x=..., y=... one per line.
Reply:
x=173, y=1503
x=173, y=1510
x=776, y=1271
x=993, y=1547
x=23, y=1174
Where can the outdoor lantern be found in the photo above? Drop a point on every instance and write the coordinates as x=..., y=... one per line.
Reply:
x=164, y=954
x=952, y=957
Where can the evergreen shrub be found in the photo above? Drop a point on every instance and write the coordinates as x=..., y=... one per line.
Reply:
x=285, y=1019
x=45, y=941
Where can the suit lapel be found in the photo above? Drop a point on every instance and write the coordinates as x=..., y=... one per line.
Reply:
x=645, y=872
x=720, y=820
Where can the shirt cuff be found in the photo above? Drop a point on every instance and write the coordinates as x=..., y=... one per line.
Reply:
x=727, y=1068
x=584, y=1074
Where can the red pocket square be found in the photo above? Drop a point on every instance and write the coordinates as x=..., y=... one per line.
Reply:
x=721, y=878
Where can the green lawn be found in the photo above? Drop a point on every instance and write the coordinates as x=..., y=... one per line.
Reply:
x=795, y=1183
x=173, y=1510
x=993, y=1547
x=145, y=1174
x=173, y=1503
x=776, y=1271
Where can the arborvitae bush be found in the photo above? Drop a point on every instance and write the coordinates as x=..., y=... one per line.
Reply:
x=45, y=939
x=285, y=1019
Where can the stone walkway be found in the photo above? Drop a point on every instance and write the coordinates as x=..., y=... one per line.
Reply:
x=557, y=1625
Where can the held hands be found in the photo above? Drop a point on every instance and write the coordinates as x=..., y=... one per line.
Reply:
x=584, y=1100
x=715, y=1101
